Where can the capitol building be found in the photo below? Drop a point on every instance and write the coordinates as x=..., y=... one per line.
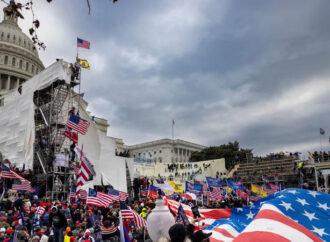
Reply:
x=19, y=59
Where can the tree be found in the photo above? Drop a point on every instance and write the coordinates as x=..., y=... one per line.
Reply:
x=28, y=5
x=231, y=152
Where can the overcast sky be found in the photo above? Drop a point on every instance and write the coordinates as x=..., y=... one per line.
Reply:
x=253, y=71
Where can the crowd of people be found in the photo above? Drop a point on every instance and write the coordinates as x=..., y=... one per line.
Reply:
x=28, y=219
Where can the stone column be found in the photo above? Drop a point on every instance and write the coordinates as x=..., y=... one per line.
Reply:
x=8, y=82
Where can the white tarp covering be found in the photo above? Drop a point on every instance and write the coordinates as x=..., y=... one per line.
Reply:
x=100, y=150
x=17, y=128
x=17, y=131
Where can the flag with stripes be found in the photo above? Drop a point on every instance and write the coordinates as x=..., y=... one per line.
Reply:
x=73, y=192
x=82, y=194
x=83, y=43
x=7, y=173
x=289, y=215
x=22, y=185
x=128, y=213
x=77, y=124
x=99, y=199
x=215, y=193
x=19, y=183
x=118, y=195
x=85, y=170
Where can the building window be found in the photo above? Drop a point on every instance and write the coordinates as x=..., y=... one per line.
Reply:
x=155, y=152
x=4, y=79
x=14, y=38
x=25, y=42
x=29, y=45
x=160, y=159
x=13, y=61
x=2, y=35
x=6, y=60
x=13, y=82
x=8, y=37
x=32, y=68
x=27, y=67
x=19, y=40
x=139, y=154
x=20, y=64
x=160, y=151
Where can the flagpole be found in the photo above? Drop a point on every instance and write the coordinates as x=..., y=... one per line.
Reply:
x=172, y=129
x=321, y=147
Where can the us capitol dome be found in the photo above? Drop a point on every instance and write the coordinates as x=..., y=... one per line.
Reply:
x=19, y=60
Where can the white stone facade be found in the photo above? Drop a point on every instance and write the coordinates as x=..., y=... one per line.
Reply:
x=164, y=150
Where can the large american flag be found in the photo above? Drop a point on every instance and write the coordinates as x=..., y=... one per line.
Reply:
x=99, y=199
x=118, y=195
x=85, y=169
x=288, y=215
x=78, y=124
x=128, y=213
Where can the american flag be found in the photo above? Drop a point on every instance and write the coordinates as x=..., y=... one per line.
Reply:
x=99, y=199
x=8, y=173
x=215, y=193
x=128, y=213
x=83, y=43
x=73, y=192
x=289, y=215
x=22, y=185
x=19, y=183
x=118, y=195
x=77, y=124
x=85, y=169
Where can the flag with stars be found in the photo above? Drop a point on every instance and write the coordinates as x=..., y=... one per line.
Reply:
x=289, y=215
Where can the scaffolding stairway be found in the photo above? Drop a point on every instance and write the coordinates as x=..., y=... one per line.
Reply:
x=50, y=119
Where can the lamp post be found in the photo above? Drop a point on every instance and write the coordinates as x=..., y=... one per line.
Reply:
x=159, y=220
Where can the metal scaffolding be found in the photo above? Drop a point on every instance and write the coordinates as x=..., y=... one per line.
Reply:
x=51, y=114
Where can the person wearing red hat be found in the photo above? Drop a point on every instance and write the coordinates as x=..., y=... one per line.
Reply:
x=87, y=237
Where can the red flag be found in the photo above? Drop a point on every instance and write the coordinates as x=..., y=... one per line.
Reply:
x=70, y=134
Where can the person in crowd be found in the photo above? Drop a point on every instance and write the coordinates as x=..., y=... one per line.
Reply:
x=58, y=222
x=109, y=230
x=144, y=213
x=87, y=237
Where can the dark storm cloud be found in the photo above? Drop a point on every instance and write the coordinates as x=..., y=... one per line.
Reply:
x=254, y=71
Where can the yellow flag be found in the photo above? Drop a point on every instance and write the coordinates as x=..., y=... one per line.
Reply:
x=310, y=154
x=176, y=187
x=258, y=190
x=84, y=64
x=229, y=190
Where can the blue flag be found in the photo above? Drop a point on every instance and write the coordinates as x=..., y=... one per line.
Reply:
x=194, y=188
x=213, y=182
x=181, y=216
x=235, y=185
